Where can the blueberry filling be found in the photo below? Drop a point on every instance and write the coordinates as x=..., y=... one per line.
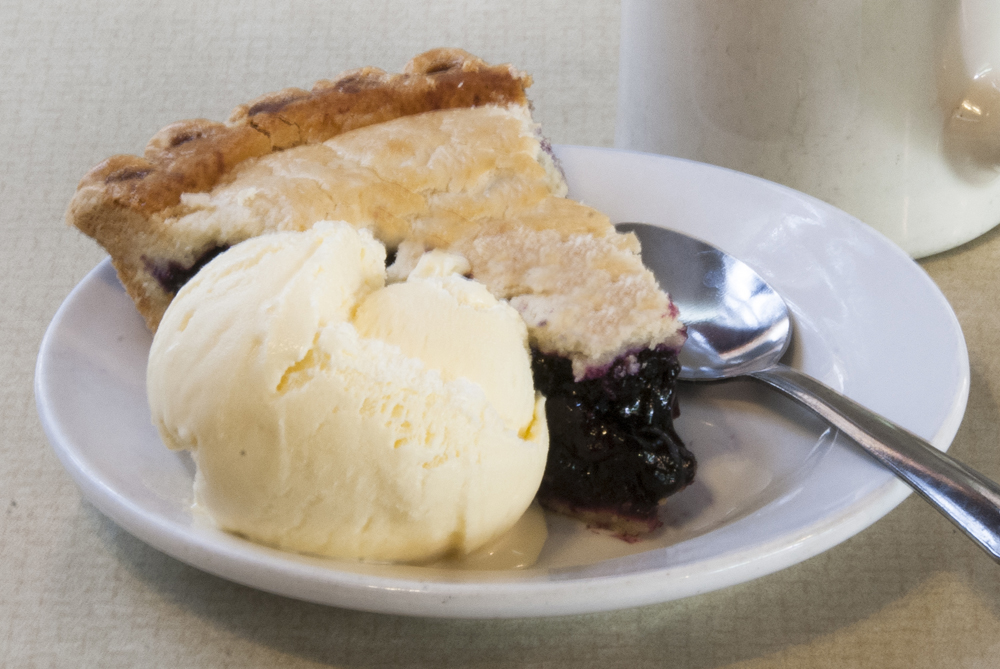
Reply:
x=171, y=275
x=612, y=445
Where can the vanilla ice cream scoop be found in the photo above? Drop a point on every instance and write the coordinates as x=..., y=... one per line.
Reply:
x=457, y=327
x=332, y=415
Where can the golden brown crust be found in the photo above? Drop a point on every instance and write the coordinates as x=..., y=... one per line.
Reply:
x=122, y=201
x=191, y=156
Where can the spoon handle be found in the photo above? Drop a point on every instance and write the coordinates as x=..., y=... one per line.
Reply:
x=966, y=497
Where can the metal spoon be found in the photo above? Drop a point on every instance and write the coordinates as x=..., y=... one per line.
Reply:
x=739, y=326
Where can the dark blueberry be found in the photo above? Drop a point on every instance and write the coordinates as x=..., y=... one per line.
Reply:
x=171, y=275
x=390, y=256
x=546, y=146
x=612, y=444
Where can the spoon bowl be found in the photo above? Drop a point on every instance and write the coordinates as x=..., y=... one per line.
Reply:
x=736, y=322
x=738, y=326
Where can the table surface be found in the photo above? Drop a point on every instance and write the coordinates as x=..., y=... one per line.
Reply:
x=84, y=80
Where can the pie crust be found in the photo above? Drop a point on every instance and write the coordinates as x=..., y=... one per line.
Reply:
x=122, y=201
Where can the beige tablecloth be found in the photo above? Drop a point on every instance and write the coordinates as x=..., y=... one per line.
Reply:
x=80, y=81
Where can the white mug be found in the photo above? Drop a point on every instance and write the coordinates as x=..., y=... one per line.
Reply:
x=887, y=109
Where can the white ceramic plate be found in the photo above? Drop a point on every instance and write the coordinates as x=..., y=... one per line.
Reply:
x=774, y=485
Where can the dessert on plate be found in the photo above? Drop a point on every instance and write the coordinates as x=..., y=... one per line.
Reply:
x=441, y=157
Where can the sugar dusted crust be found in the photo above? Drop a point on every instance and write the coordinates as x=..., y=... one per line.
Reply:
x=444, y=156
x=118, y=201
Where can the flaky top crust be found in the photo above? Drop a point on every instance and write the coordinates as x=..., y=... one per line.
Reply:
x=118, y=203
x=191, y=156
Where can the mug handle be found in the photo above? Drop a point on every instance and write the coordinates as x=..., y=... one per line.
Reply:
x=972, y=135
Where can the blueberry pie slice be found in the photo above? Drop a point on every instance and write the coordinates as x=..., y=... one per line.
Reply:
x=442, y=156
